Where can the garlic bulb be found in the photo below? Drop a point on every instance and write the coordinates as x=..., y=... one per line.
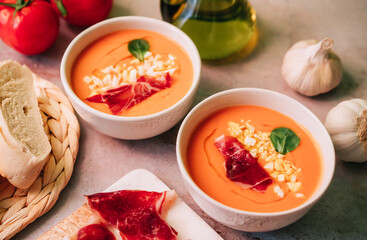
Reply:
x=347, y=125
x=312, y=68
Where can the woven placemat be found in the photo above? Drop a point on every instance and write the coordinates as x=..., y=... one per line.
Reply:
x=20, y=207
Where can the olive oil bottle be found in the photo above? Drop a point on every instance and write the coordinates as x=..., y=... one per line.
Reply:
x=217, y=27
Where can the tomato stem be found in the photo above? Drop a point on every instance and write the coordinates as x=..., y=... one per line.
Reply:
x=61, y=7
x=19, y=5
x=13, y=5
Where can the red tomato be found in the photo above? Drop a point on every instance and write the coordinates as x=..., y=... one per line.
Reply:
x=33, y=29
x=83, y=13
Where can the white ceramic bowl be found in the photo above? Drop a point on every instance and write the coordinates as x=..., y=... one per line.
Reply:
x=244, y=220
x=130, y=127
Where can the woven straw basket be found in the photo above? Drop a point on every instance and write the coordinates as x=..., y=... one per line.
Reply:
x=20, y=207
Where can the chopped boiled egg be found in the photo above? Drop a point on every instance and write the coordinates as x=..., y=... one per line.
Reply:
x=278, y=191
x=154, y=65
x=259, y=145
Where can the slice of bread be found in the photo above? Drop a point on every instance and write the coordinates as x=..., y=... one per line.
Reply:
x=24, y=146
x=67, y=228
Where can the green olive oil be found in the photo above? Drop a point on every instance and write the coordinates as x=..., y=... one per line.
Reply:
x=217, y=27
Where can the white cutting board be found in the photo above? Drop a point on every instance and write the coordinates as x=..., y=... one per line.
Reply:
x=180, y=216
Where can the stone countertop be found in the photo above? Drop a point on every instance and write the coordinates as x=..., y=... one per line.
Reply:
x=102, y=160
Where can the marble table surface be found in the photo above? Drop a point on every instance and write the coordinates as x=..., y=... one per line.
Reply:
x=102, y=160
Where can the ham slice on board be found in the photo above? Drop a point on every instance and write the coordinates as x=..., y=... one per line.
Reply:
x=128, y=95
x=180, y=216
x=129, y=215
x=241, y=166
x=96, y=231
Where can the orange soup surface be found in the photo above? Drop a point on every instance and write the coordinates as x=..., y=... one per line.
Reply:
x=107, y=64
x=296, y=175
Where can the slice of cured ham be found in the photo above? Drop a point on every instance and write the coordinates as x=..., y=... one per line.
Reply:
x=128, y=95
x=135, y=215
x=241, y=166
x=95, y=232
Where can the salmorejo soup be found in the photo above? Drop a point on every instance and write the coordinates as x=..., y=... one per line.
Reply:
x=255, y=159
x=132, y=73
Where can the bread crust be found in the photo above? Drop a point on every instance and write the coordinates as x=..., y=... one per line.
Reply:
x=18, y=163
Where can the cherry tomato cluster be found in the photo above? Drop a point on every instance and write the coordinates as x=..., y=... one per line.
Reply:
x=32, y=26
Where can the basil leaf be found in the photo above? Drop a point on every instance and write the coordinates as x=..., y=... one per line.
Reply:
x=138, y=48
x=284, y=140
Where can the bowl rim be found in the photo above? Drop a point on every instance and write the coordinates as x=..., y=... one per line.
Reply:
x=146, y=20
x=323, y=185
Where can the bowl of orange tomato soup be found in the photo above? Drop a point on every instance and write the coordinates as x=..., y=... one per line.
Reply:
x=253, y=159
x=131, y=77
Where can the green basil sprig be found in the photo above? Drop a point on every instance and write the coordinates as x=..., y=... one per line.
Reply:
x=284, y=140
x=138, y=48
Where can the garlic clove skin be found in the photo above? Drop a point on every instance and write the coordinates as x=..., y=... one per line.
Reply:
x=347, y=126
x=311, y=67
